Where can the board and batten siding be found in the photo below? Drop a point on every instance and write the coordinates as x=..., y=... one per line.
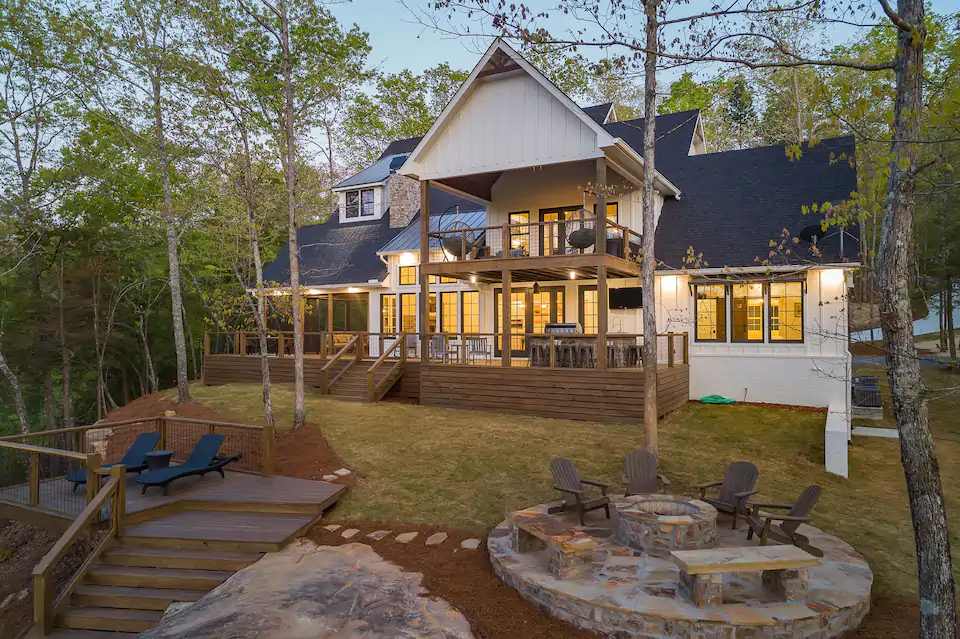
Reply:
x=509, y=121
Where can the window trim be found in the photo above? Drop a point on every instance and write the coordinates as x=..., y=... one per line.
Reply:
x=463, y=306
x=727, y=297
x=581, y=305
x=400, y=275
x=803, y=314
x=416, y=311
x=396, y=312
x=507, y=251
x=359, y=214
x=442, y=315
x=763, y=314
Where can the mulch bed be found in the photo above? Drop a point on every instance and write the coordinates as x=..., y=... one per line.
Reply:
x=465, y=579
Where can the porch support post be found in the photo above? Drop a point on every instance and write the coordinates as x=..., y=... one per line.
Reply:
x=505, y=324
x=603, y=308
x=601, y=188
x=424, y=259
x=331, y=349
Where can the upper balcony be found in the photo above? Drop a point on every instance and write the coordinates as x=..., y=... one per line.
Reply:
x=532, y=250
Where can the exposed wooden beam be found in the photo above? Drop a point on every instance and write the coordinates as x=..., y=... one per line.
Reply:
x=603, y=311
x=424, y=260
x=600, y=186
x=505, y=326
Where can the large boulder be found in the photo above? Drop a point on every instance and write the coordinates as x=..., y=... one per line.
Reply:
x=309, y=591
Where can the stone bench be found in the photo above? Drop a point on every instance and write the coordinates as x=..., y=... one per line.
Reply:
x=570, y=552
x=784, y=571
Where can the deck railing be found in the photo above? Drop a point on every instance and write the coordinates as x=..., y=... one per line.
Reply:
x=279, y=343
x=553, y=350
x=397, y=354
x=533, y=239
x=330, y=373
x=110, y=499
x=110, y=440
x=31, y=477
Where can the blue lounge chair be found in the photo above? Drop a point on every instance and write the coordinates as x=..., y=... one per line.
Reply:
x=202, y=460
x=135, y=459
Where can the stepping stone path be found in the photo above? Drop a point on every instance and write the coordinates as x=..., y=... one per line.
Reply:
x=378, y=535
x=333, y=527
x=329, y=477
x=470, y=544
x=349, y=532
x=343, y=472
x=436, y=539
x=406, y=538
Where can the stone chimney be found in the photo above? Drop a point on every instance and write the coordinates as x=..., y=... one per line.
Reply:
x=404, y=200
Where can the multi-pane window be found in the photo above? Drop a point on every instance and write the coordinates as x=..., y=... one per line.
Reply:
x=388, y=313
x=589, y=310
x=448, y=312
x=408, y=312
x=440, y=279
x=360, y=203
x=432, y=313
x=519, y=235
x=747, y=312
x=470, y=312
x=408, y=275
x=711, y=314
x=786, y=312
x=553, y=236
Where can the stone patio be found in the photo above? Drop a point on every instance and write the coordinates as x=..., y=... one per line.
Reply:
x=628, y=593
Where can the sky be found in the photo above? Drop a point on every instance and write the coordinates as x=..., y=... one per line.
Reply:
x=400, y=42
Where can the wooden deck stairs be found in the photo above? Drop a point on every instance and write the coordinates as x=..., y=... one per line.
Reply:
x=354, y=384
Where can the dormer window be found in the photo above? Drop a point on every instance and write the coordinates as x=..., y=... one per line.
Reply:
x=360, y=204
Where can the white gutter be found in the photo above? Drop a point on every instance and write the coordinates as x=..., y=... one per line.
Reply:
x=304, y=289
x=755, y=270
x=354, y=187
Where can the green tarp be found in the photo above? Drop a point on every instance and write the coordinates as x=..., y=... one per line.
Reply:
x=717, y=399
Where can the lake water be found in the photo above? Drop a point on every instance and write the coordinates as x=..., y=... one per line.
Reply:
x=929, y=324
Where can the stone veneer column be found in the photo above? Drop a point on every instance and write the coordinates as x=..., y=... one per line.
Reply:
x=702, y=590
x=404, y=200
x=787, y=585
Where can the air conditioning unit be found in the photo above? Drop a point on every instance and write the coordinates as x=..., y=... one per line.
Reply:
x=866, y=396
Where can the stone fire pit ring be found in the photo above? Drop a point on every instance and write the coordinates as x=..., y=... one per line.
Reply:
x=658, y=524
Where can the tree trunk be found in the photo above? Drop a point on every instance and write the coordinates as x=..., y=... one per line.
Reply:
x=942, y=295
x=64, y=354
x=101, y=401
x=49, y=403
x=153, y=385
x=260, y=309
x=948, y=319
x=937, y=588
x=173, y=252
x=649, y=265
x=193, y=349
x=299, y=411
x=17, y=394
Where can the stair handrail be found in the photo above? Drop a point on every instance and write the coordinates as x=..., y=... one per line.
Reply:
x=45, y=608
x=327, y=382
x=372, y=387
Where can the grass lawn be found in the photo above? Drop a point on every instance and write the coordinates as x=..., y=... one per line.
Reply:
x=446, y=467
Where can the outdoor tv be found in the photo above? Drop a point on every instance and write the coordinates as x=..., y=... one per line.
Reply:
x=630, y=297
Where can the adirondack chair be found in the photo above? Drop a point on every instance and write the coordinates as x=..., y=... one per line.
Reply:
x=642, y=477
x=568, y=482
x=737, y=485
x=761, y=522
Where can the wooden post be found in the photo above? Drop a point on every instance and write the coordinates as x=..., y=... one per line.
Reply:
x=505, y=325
x=424, y=260
x=325, y=383
x=686, y=348
x=269, y=450
x=206, y=342
x=553, y=351
x=162, y=431
x=280, y=344
x=330, y=313
x=243, y=343
x=119, y=506
x=34, y=471
x=603, y=310
x=505, y=241
x=601, y=196
x=93, y=463
x=42, y=605
x=236, y=343
x=670, y=349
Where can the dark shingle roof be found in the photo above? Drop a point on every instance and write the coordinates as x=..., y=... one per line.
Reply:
x=734, y=203
x=599, y=112
x=401, y=147
x=674, y=136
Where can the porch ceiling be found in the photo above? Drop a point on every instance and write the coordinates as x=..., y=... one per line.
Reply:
x=532, y=269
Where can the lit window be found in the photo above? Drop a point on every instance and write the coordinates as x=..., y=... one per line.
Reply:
x=711, y=320
x=786, y=312
x=439, y=279
x=432, y=313
x=470, y=320
x=589, y=310
x=519, y=235
x=448, y=312
x=388, y=313
x=408, y=312
x=408, y=275
x=748, y=312
x=360, y=203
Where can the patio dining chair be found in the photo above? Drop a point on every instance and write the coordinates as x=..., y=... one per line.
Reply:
x=478, y=348
x=737, y=485
x=571, y=487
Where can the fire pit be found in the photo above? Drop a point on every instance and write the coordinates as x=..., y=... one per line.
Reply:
x=657, y=524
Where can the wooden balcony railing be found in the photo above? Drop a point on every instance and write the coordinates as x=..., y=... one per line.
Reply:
x=397, y=354
x=533, y=239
